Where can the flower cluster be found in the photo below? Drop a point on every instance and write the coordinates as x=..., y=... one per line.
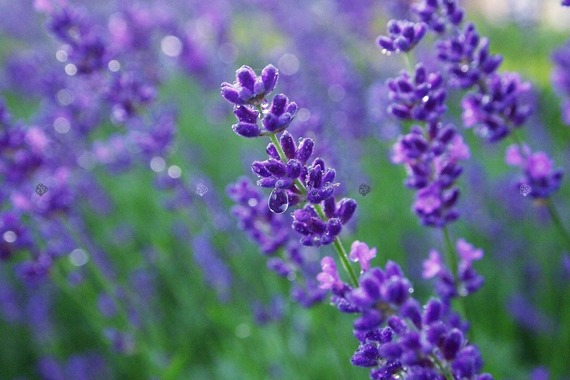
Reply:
x=468, y=280
x=438, y=14
x=286, y=170
x=497, y=109
x=467, y=57
x=84, y=46
x=266, y=228
x=397, y=336
x=540, y=177
x=248, y=94
x=419, y=98
x=430, y=156
x=431, y=160
x=403, y=36
x=272, y=232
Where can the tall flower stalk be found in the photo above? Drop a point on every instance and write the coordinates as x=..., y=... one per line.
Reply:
x=397, y=337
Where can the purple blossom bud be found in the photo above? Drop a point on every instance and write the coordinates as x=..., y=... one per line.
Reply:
x=288, y=145
x=390, y=350
x=246, y=129
x=346, y=209
x=359, y=252
x=305, y=150
x=269, y=76
x=452, y=344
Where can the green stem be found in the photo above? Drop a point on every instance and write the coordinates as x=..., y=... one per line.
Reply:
x=408, y=60
x=337, y=242
x=558, y=221
x=451, y=259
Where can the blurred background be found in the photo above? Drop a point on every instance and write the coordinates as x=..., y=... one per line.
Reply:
x=132, y=266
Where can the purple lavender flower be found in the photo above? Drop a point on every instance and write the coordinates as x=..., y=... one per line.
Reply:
x=468, y=280
x=359, y=252
x=498, y=107
x=538, y=169
x=433, y=169
x=467, y=57
x=403, y=36
x=419, y=98
x=87, y=52
x=271, y=231
x=126, y=93
x=315, y=230
x=439, y=14
x=396, y=335
x=248, y=87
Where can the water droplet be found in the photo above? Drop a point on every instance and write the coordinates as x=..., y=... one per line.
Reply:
x=278, y=201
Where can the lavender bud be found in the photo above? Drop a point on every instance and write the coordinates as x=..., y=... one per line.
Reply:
x=305, y=150
x=269, y=76
x=346, y=209
x=288, y=145
x=246, y=129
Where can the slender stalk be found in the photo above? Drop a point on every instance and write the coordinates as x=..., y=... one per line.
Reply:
x=408, y=59
x=451, y=259
x=337, y=242
x=558, y=221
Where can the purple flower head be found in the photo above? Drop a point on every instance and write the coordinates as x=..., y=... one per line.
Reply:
x=432, y=165
x=274, y=118
x=126, y=93
x=468, y=280
x=498, y=107
x=315, y=231
x=359, y=252
x=86, y=49
x=269, y=230
x=432, y=266
x=467, y=57
x=439, y=14
x=403, y=36
x=22, y=149
x=279, y=114
x=566, y=3
x=329, y=278
x=248, y=88
x=248, y=94
x=419, y=98
x=539, y=174
x=397, y=335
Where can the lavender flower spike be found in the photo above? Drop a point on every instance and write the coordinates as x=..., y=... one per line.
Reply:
x=248, y=94
x=248, y=87
x=403, y=36
x=539, y=173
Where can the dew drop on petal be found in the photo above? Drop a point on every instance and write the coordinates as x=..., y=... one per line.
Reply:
x=278, y=201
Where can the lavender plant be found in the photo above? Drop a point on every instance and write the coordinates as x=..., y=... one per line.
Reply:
x=109, y=269
x=396, y=337
x=495, y=106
